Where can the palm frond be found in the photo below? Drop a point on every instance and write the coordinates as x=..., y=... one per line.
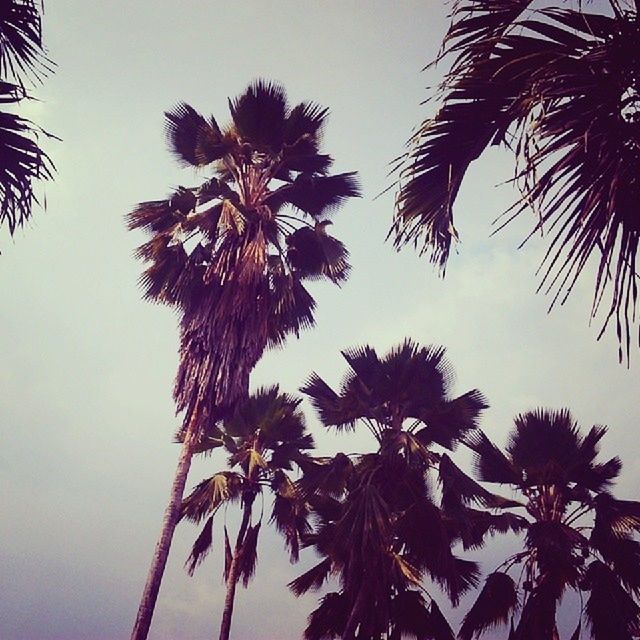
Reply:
x=440, y=628
x=329, y=619
x=22, y=163
x=459, y=489
x=316, y=195
x=493, y=606
x=249, y=554
x=411, y=616
x=447, y=422
x=313, y=579
x=259, y=114
x=553, y=82
x=611, y=611
x=314, y=254
x=22, y=54
x=538, y=617
x=290, y=512
x=191, y=139
x=491, y=465
x=209, y=494
x=201, y=547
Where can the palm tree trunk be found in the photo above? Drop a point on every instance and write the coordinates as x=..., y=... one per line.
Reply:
x=234, y=571
x=159, y=562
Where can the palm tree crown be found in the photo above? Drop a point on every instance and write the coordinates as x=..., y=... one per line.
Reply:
x=232, y=253
x=377, y=526
x=560, y=87
x=577, y=535
x=264, y=437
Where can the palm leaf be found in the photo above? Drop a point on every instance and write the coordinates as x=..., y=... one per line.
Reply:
x=313, y=579
x=534, y=80
x=329, y=619
x=493, y=606
x=201, y=547
x=22, y=54
x=459, y=489
x=314, y=254
x=491, y=465
x=259, y=114
x=440, y=628
x=538, y=618
x=208, y=495
x=249, y=554
x=447, y=422
x=410, y=615
x=22, y=163
x=192, y=139
x=316, y=195
x=289, y=513
x=611, y=611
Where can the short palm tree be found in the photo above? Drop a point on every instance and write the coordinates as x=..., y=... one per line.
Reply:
x=232, y=256
x=578, y=537
x=378, y=527
x=560, y=86
x=265, y=437
x=22, y=60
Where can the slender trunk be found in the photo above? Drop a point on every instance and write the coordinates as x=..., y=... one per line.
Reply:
x=234, y=571
x=355, y=615
x=159, y=562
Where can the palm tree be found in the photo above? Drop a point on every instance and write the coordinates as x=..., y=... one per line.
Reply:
x=578, y=537
x=264, y=437
x=377, y=524
x=231, y=258
x=22, y=60
x=560, y=87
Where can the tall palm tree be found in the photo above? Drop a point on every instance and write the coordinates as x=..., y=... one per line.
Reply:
x=23, y=61
x=578, y=537
x=232, y=255
x=560, y=86
x=264, y=437
x=378, y=526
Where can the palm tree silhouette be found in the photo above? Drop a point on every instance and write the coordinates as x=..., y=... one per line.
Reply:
x=265, y=437
x=578, y=537
x=378, y=527
x=232, y=256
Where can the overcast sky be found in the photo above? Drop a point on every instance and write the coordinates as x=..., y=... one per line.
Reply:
x=86, y=366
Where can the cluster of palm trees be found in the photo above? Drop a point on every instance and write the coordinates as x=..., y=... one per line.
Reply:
x=233, y=260
x=559, y=85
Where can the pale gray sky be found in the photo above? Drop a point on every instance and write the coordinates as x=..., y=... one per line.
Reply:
x=86, y=417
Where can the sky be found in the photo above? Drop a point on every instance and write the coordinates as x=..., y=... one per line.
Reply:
x=87, y=366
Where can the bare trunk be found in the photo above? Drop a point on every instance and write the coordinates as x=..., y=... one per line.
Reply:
x=234, y=572
x=354, y=616
x=159, y=562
